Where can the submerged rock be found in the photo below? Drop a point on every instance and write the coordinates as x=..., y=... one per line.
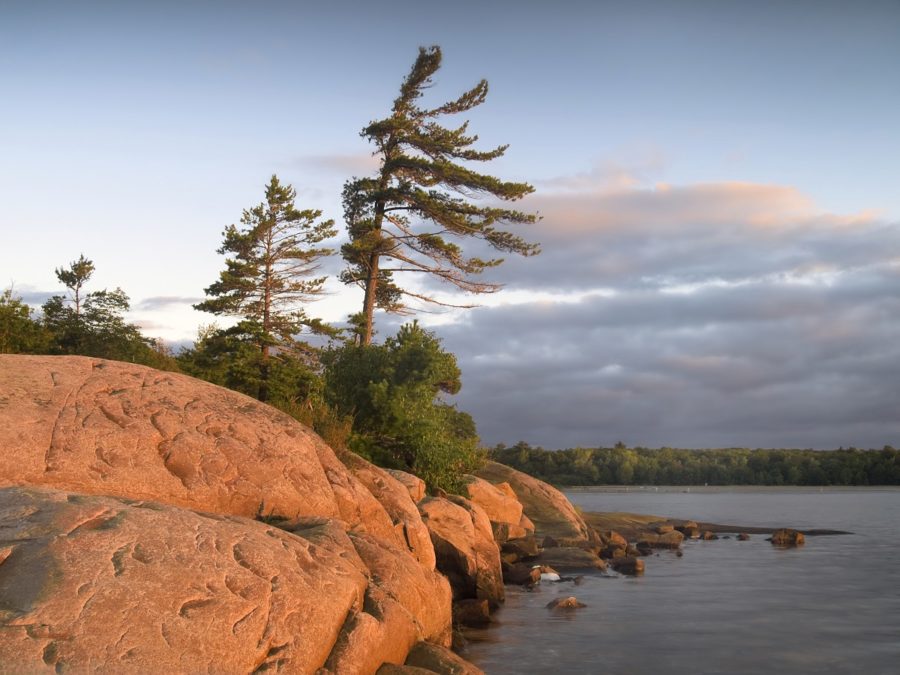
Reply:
x=628, y=565
x=743, y=536
x=570, y=602
x=787, y=537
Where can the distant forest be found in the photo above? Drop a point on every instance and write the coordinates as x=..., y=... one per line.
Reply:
x=620, y=465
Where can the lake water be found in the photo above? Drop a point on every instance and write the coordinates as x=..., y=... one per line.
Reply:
x=832, y=606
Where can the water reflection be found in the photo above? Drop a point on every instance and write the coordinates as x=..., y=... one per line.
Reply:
x=727, y=606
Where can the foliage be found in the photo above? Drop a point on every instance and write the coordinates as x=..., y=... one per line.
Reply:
x=267, y=279
x=93, y=324
x=229, y=359
x=393, y=393
x=732, y=466
x=419, y=206
x=20, y=331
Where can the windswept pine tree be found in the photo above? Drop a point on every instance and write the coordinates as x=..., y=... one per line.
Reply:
x=422, y=205
x=269, y=275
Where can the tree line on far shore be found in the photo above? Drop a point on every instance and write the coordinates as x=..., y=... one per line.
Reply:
x=418, y=213
x=620, y=465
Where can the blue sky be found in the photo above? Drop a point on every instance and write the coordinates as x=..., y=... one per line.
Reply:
x=736, y=157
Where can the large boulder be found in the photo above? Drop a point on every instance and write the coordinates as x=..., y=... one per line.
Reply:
x=96, y=583
x=501, y=505
x=464, y=547
x=414, y=484
x=90, y=582
x=106, y=427
x=404, y=603
x=394, y=496
x=173, y=571
x=546, y=507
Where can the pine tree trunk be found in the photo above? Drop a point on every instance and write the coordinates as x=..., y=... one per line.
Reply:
x=369, y=301
x=263, y=391
x=372, y=277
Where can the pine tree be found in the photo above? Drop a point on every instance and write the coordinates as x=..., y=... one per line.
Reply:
x=94, y=324
x=75, y=277
x=420, y=205
x=268, y=275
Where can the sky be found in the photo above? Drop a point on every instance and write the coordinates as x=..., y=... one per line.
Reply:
x=717, y=183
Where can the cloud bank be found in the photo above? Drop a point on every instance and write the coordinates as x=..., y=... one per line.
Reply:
x=727, y=314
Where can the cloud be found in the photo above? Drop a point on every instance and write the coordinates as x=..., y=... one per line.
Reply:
x=358, y=164
x=158, y=302
x=700, y=316
x=33, y=297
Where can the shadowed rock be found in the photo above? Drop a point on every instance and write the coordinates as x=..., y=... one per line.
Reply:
x=440, y=660
x=464, y=547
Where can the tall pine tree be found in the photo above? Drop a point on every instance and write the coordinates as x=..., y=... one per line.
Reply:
x=420, y=206
x=269, y=275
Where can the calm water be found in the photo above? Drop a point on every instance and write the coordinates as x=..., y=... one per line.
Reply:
x=832, y=606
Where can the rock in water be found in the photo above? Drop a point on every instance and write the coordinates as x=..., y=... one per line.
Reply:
x=628, y=565
x=570, y=602
x=471, y=612
x=520, y=574
x=787, y=537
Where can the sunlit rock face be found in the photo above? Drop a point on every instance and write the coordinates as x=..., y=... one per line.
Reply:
x=138, y=512
x=464, y=547
x=547, y=508
x=112, y=428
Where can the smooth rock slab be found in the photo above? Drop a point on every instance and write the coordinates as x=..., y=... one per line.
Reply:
x=104, y=427
x=100, y=584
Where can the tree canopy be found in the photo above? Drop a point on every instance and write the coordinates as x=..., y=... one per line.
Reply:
x=421, y=205
x=394, y=394
x=269, y=277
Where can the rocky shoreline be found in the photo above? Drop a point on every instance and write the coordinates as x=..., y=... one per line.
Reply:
x=150, y=522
